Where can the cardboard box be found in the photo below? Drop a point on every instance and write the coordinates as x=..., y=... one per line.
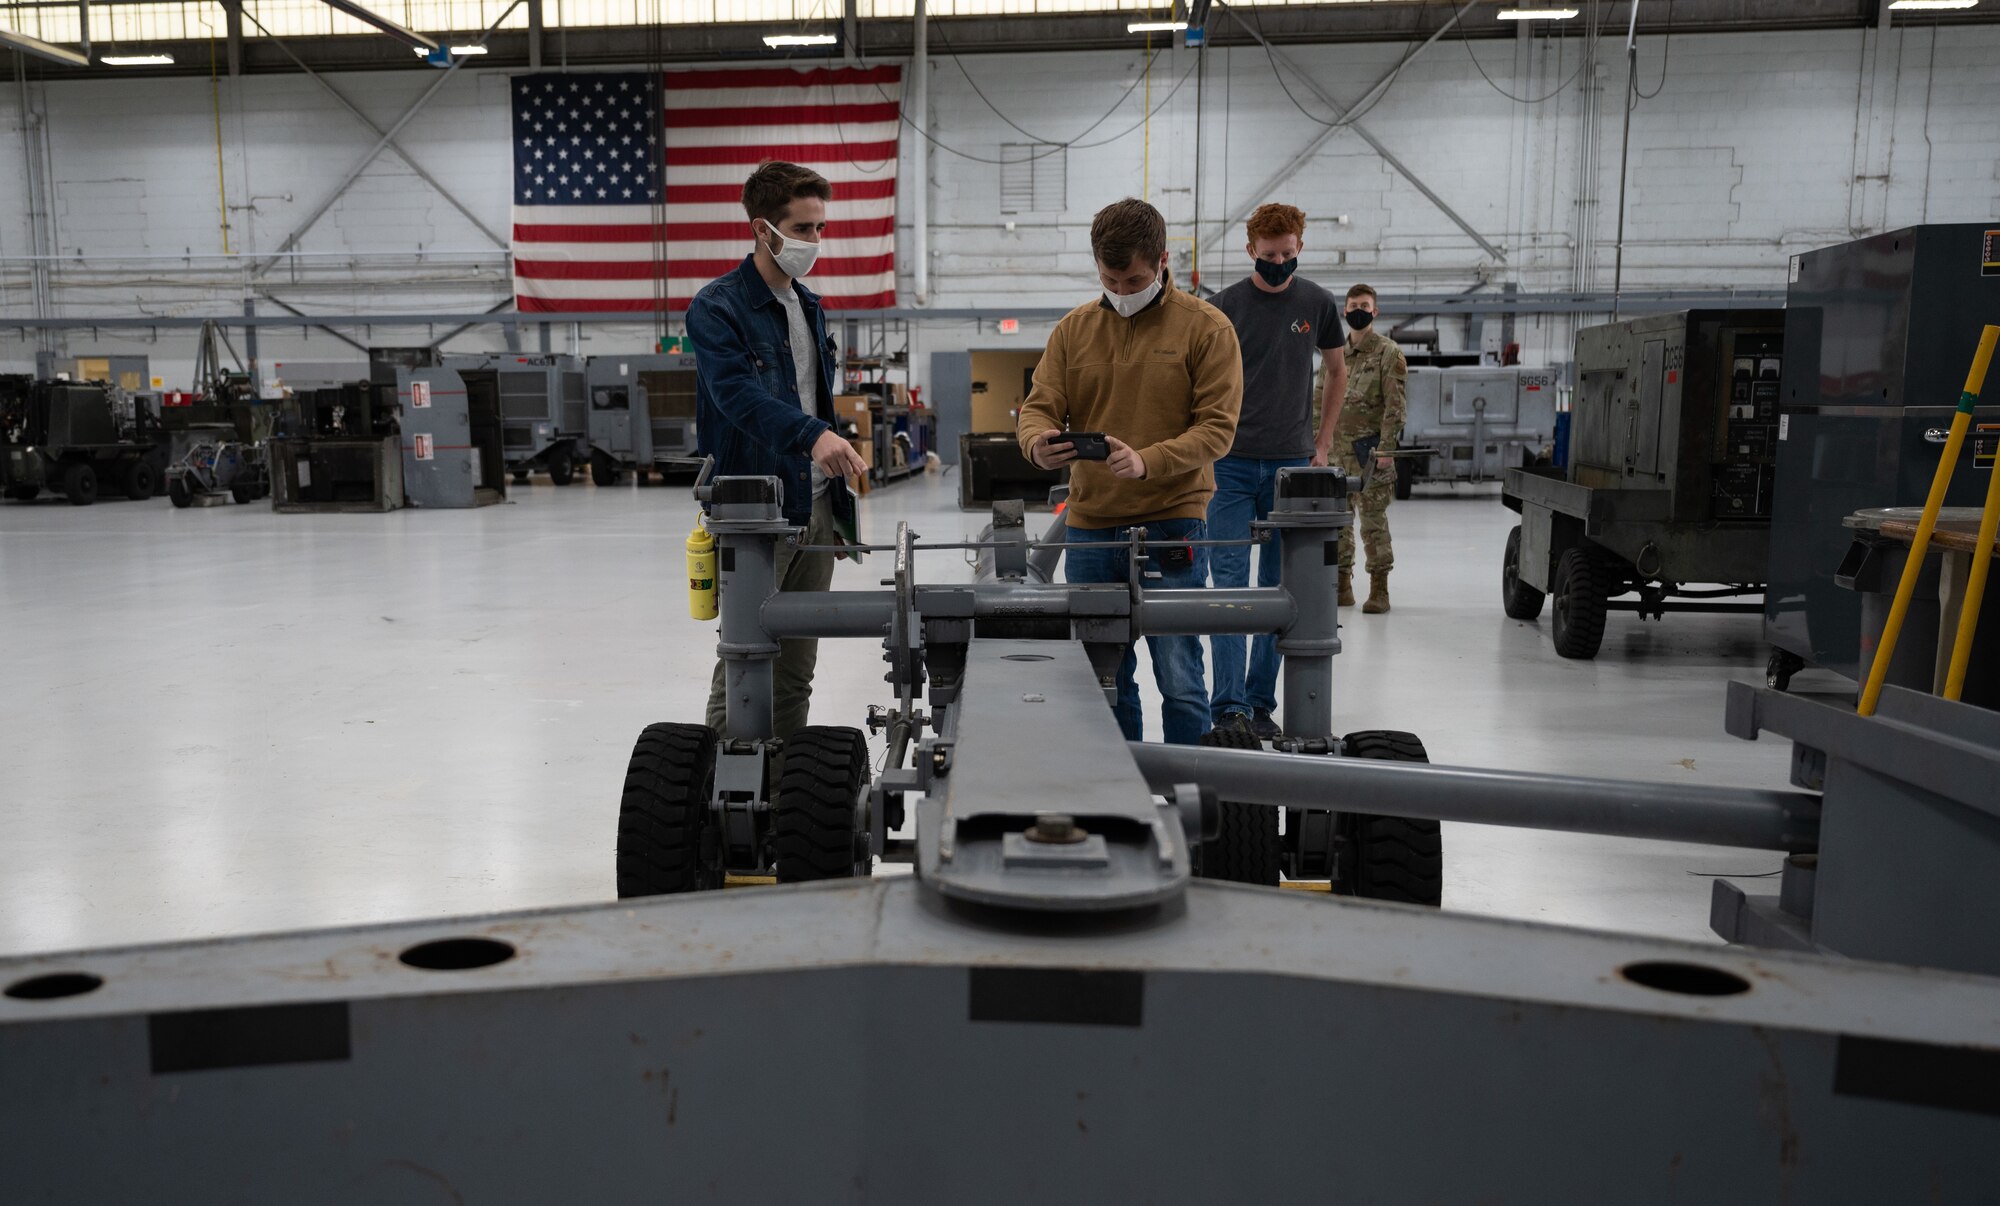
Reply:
x=865, y=449
x=853, y=408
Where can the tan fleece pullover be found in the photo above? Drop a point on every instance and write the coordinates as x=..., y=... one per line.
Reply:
x=1168, y=381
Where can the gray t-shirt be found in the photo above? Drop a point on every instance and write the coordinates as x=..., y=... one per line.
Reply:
x=805, y=360
x=1282, y=335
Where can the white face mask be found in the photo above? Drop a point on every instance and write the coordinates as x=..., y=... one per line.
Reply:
x=1128, y=304
x=795, y=257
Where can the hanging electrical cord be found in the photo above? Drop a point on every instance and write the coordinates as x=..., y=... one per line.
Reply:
x=1666, y=56
x=1523, y=100
x=1053, y=148
x=958, y=62
x=1353, y=115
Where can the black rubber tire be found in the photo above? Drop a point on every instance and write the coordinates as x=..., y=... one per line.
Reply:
x=816, y=830
x=24, y=493
x=243, y=494
x=1247, y=848
x=79, y=483
x=562, y=470
x=179, y=492
x=1578, y=626
x=1779, y=670
x=603, y=470
x=520, y=477
x=663, y=814
x=1521, y=601
x=1406, y=476
x=1390, y=858
x=141, y=481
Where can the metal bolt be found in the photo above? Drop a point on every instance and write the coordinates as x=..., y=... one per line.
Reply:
x=1056, y=828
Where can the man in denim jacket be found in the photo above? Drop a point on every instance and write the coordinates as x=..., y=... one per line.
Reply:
x=764, y=380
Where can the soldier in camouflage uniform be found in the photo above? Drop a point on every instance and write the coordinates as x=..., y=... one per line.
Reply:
x=1377, y=377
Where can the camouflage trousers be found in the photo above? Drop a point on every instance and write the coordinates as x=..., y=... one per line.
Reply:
x=1371, y=516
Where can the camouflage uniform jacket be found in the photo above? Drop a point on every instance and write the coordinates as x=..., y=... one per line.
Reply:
x=1377, y=381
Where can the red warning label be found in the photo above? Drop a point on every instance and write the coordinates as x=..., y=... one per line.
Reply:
x=424, y=446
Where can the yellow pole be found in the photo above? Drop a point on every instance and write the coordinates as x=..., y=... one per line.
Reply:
x=1975, y=588
x=1940, y=482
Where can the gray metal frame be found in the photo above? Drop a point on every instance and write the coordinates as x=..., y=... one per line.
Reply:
x=1478, y=421
x=544, y=414
x=631, y=436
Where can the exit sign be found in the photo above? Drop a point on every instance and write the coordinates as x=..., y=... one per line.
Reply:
x=1010, y=326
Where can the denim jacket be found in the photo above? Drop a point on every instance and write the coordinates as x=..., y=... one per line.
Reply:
x=746, y=388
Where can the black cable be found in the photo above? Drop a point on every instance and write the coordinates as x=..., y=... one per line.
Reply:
x=1666, y=56
x=959, y=62
x=1352, y=115
x=1522, y=100
x=1054, y=148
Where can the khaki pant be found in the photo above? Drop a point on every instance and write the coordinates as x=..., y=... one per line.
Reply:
x=792, y=689
x=1371, y=516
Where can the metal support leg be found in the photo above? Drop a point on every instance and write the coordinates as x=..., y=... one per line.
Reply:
x=1310, y=510
x=749, y=654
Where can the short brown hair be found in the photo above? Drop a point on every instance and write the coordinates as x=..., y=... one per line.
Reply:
x=1275, y=221
x=1128, y=229
x=773, y=187
x=1361, y=291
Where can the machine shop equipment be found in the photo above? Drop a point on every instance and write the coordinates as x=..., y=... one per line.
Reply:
x=1054, y=981
x=452, y=434
x=1472, y=423
x=338, y=448
x=544, y=416
x=1667, y=495
x=642, y=415
x=1878, y=332
x=76, y=438
x=217, y=434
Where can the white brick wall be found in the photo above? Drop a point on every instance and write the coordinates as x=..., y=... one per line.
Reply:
x=1748, y=156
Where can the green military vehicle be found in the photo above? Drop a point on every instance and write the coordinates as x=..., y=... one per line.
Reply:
x=77, y=438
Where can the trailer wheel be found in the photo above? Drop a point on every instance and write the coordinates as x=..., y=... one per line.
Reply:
x=520, y=477
x=1388, y=858
x=1406, y=474
x=1246, y=848
x=244, y=494
x=179, y=492
x=1521, y=601
x=562, y=470
x=663, y=814
x=603, y=470
x=142, y=481
x=79, y=483
x=1779, y=670
x=24, y=493
x=816, y=814
x=1580, y=605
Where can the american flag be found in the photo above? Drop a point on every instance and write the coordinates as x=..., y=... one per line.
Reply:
x=596, y=229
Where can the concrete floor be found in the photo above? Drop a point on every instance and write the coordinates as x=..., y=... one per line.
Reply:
x=222, y=721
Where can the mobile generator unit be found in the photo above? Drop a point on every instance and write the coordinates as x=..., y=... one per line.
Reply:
x=1672, y=461
x=642, y=416
x=76, y=438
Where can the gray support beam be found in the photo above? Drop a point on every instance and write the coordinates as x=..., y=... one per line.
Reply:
x=1716, y=816
x=463, y=327
x=1361, y=132
x=356, y=344
x=1284, y=174
x=232, y=16
x=381, y=144
x=850, y=30
x=250, y=345
x=534, y=35
x=42, y=50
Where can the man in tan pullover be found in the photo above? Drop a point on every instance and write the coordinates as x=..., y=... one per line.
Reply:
x=1158, y=372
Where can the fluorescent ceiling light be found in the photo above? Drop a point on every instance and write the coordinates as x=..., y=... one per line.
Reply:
x=137, y=60
x=778, y=40
x=1156, y=27
x=1537, y=14
x=1909, y=4
x=474, y=48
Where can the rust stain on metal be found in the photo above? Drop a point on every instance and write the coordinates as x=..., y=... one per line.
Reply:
x=1776, y=1089
x=432, y=1173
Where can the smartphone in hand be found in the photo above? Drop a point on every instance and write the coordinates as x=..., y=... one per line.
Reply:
x=1089, y=445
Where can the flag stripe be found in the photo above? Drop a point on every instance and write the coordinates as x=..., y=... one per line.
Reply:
x=855, y=153
x=879, y=112
x=675, y=232
x=648, y=270
x=647, y=305
x=732, y=194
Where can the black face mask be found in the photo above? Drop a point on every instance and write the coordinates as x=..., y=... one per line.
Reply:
x=1276, y=274
x=1359, y=319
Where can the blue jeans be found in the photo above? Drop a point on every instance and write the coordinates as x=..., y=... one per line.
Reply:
x=1243, y=492
x=1177, y=664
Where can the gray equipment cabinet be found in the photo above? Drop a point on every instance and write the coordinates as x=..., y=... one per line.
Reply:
x=451, y=438
x=1472, y=423
x=1878, y=336
x=1672, y=452
x=642, y=415
x=544, y=415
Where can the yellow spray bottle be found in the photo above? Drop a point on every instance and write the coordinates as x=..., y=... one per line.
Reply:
x=701, y=573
